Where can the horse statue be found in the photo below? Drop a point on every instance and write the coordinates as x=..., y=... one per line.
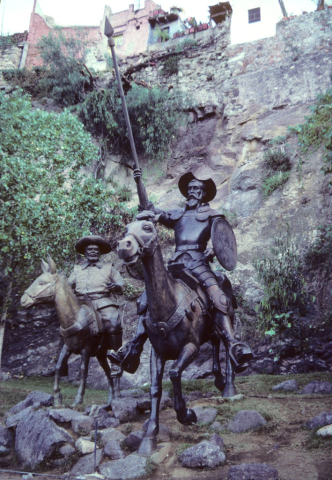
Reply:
x=177, y=323
x=80, y=325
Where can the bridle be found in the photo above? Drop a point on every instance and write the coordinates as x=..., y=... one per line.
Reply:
x=49, y=289
x=148, y=249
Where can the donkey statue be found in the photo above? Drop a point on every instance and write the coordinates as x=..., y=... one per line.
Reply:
x=79, y=321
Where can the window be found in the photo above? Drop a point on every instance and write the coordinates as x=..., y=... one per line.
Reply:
x=254, y=15
x=118, y=40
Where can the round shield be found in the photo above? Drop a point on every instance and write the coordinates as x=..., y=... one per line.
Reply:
x=224, y=243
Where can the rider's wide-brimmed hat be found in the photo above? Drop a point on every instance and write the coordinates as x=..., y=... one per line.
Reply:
x=210, y=186
x=83, y=242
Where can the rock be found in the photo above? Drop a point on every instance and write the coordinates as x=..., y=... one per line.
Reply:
x=110, y=434
x=37, y=438
x=320, y=420
x=164, y=434
x=317, y=387
x=246, y=420
x=6, y=440
x=216, y=440
x=325, y=431
x=67, y=450
x=90, y=476
x=205, y=415
x=287, y=386
x=113, y=450
x=134, y=439
x=14, y=420
x=86, y=464
x=103, y=417
x=36, y=397
x=64, y=415
x=133, y=466
x=162, y=453
x=205, y=454
x=252, y=471
x=143, y=404
x=216, y=426
x=124, y=409
x=84, y=446
x=82, y=424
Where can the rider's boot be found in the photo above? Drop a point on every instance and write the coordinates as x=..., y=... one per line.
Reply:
x=239, y=351
x=128, y=356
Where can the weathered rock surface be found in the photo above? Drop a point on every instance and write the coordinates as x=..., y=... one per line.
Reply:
x=253, y=471
x=217, y=440
x=325, y=431
x=14, y=420
x=84, y=445
x=317, y=387
x=134, y=439
x=6, y=440
x=133, y=466
x=125, y=411
x=287, y=386
x=110, y=434
x=103, y=417
x=205, y=415
x=320, y=420
x=86, y=463
x=204, y=454
x=113, y=450
x=246, y=420
x=36, y=398
x=82, y=424
x=64, y=415
x=37, y=437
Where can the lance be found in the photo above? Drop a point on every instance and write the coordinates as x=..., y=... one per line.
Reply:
x=142, y=195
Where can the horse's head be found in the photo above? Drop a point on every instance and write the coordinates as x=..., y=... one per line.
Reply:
x=42, y=290
x=141, y=239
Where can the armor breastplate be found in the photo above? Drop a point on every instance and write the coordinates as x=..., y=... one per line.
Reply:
x=189, y=232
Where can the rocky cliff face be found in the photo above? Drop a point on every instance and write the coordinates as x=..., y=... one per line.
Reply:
x=241, y=97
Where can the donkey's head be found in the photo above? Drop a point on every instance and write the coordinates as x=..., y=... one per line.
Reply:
x=42, y=290
x=141, y=239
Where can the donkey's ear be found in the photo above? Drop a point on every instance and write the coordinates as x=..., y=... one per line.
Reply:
x=51, y=264
x=44, y=266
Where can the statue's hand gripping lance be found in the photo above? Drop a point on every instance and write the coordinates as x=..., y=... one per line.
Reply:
x=142, y=195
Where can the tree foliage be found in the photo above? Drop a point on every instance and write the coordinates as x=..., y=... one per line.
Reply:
x=155, y=116
x=64, y=57
x=47, y=202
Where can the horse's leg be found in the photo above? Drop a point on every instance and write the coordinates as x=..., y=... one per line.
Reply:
x=149, y=442
x=229, y=389
x=219, y=379
x=105, y=366
x=63, y=358
x=85, y=358
x=187, y=355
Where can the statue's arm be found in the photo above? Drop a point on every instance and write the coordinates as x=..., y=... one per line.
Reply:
x=116, y=283
x=72, y=280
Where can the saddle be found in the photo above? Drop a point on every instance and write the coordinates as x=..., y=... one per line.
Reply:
x=87, y=317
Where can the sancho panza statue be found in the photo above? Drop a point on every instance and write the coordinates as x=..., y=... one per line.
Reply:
x=193, y=226
x=99, y=283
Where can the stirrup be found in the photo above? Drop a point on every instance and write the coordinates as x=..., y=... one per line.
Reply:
x=240, y=363
x=125, y=357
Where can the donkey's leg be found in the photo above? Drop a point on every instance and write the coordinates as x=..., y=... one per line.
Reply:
x=229, y=389
x=62, y=360
x=187, y=355
x=85, y=358
x=219, y=380
x=105, y=366
x=149, y=442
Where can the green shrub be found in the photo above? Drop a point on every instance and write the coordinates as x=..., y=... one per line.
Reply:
x=271, y=183
x=155, y=116
x=286, y=300
x=28, y=80
x=171, y=66
x=277, y=168
x=64, y=58
x=317, y=129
